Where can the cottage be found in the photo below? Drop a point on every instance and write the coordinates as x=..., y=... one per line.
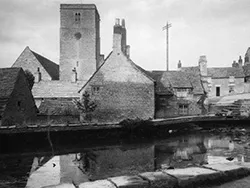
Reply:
x=120, y=88
x=219, y=81
x=177, y=94
x=17, y=104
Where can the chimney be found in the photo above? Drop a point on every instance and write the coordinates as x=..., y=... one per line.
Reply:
x=203, y=65
x=240, y=61
x=235, y=64
x=101, y=61
x=119, y=36
x=179, y=65
x=128, y=51
x=74, y=75
x=38, y=75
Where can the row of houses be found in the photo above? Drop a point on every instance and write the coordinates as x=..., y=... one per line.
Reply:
x=119, y=87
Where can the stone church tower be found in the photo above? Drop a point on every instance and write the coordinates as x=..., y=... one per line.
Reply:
x=79, y=41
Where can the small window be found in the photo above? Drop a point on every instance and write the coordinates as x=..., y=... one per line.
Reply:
x=231, y=89
x=217, y=91
x=95, y=89
x=77, y=17
x=183, y=109
x=19, y=103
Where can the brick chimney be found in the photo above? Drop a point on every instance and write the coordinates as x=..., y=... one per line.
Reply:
x=179, y=65
x=240, y=61
x=119, y=36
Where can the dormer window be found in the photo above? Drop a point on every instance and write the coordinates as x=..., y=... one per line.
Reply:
x=77, y=17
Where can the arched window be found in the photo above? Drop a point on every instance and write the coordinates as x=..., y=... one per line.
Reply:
x=77, y=17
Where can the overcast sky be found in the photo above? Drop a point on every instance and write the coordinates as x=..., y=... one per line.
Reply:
x=219, y=29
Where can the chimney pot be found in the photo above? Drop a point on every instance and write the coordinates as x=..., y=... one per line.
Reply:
x=117, y=21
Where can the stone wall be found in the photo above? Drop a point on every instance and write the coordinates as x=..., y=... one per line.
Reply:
x=223, y=83
x=79, y=41
x=168, y=106
x=28, y=61
x=21, y=106
x=121, y=91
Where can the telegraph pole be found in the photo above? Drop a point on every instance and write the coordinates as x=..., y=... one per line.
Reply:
x=166, y=27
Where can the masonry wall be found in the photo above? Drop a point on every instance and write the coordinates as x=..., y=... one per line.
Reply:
x=223, y=83
x=168, y=106
x=21, y=106
x=124, y=91
x=29, y=62
x=79, y=41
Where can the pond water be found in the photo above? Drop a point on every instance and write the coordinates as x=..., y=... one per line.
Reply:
x=89, y=164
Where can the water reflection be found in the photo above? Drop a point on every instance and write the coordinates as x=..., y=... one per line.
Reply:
x=100, y=163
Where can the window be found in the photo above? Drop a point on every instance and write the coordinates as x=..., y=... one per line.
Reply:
x=95, y=89
x=182, y=92
x=77, y=17
x=183, y=109
x=217, y=91
x=231, y=79
x=231, y=89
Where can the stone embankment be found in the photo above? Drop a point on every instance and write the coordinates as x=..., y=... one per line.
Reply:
x=210, y=174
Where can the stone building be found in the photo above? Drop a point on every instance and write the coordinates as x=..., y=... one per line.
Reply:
x=79, y=59
x=177, y=93
x=121, y=88
x=79, y=41
x=17, y=104
x=219, y=81
x=41, y=67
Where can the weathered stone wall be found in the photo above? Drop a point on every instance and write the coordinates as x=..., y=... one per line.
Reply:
x=124, y=91
x=21, y=106
x=223, y=83
x=168, y=106
x=27, y=60
x=79, y=41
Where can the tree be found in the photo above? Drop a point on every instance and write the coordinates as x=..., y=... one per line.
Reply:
x=86, y=106
x=30, y=77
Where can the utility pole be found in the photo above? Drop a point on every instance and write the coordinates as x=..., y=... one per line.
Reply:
x=166, y=27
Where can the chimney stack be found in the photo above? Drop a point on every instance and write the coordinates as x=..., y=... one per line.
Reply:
x=203, y=65
x=179, y=65
x=38, y=75
x=120, y=36
x=240, y=61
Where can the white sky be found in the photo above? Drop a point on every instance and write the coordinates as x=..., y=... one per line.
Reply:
x=219, y=29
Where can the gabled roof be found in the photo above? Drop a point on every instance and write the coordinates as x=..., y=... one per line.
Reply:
x=194, y=76
x=161, y=87
x=225, y=72
x=8, y=78
x=176, y=79
x=144, y=72
x=51, y=67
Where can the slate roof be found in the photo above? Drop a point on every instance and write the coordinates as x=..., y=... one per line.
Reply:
x=51, y=67
x=143, y=71
x=56, y=89
x=161, y=87
x=194, y=76
x=58, y=107
x=225, y=72
x=8, y=78
x=246, y=69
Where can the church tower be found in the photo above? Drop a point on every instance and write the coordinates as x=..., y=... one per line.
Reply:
x=79, y=41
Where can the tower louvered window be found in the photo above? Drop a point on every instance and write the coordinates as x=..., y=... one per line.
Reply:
x=77, y=17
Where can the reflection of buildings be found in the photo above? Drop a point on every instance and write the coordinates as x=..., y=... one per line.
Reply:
x=187, y=151
x=90, y=165
x=116, y=162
